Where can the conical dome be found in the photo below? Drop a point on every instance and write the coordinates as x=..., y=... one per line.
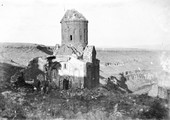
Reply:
x=73, y=15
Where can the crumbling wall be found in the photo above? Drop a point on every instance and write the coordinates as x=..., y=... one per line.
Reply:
x=89, y=54
x=133, y=75
x=73, y=82
x=162, y=92
x=34, y=70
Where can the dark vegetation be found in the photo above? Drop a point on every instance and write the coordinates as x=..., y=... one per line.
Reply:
x=7, y=70
x=102, y=102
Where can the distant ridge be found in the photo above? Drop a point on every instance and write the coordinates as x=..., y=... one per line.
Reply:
x=7, y=44
x=43, y=48
x=139, y=48
x=155, y=47
x=12, y=44
x=133, y=48
x=120, y=49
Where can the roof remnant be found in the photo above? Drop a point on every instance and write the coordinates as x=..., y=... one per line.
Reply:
x=68, y=50
x=73, y=15
x=88, y=53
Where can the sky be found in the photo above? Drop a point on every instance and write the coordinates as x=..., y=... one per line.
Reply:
x=112, y=23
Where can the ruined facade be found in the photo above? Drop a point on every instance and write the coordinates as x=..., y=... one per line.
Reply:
x=79, y=66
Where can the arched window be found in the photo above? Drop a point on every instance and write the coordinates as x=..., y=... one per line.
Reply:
x=80, y=32
x=65, y=66
x=71, y=38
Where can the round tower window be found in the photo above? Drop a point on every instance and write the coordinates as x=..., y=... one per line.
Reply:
x=71, y=37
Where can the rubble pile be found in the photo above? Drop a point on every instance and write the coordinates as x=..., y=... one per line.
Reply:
x=30, y=78
x=118, y=83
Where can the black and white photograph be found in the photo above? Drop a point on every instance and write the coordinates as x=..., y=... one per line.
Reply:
x=84, y=59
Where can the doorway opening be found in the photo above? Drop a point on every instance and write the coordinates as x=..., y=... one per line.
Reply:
x=65, y=84
x=71, y=38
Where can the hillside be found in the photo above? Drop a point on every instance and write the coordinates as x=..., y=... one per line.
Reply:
x=21, y=53
x=108, y=101
x=126, y=60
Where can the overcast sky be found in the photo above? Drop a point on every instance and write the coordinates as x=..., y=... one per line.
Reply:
x=112, y=23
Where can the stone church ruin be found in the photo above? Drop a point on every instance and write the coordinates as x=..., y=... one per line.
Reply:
x=73, y=63
x=79, y=66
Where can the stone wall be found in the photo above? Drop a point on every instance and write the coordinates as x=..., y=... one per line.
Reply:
x=75, y=33
x=133, y=75
x=92, y=79
x=162, y=92
x=79, y=73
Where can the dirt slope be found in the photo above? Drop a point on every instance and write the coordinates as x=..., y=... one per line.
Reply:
x=21, y=53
